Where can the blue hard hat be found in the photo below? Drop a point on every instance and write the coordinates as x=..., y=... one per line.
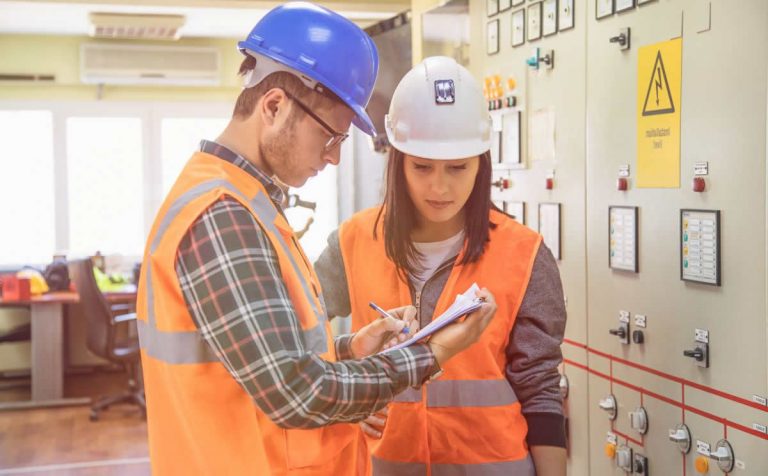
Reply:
x=324, y=46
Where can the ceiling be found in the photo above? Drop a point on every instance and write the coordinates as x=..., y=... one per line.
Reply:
x=204, y=18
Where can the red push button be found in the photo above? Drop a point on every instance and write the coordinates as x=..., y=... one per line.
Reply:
x=699, y=184
x=550, y=183
x=622, y=184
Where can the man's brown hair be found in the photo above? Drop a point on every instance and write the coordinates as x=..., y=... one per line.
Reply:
x=249, y=97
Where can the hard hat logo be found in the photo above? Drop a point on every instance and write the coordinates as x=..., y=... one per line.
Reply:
x=420, y=125
x=445, y=93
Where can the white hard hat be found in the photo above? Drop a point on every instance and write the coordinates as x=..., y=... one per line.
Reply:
x=438, y=112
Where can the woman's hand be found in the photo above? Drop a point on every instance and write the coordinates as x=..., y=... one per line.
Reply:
x=373, y=426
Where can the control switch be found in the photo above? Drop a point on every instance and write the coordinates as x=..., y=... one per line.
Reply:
x=624, y=458
x=641, y=464
x=609, y=405
x=638, y=420
x=622, y=332
x=700, y=353
x=723, y=455
x=681, y=436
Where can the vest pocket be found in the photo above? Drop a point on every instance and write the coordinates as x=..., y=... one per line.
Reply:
x=319, y=446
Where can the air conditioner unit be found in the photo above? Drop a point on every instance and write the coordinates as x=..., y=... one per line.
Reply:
x=149, y=65
x=135, y=26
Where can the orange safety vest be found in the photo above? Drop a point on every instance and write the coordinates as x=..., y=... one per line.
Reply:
x=201, y=421
x=468, y=421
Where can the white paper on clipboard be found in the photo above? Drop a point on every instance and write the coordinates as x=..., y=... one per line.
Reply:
x=464, y=304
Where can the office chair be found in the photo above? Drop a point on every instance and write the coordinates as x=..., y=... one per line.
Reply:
x=104, y=340
x=20, y=333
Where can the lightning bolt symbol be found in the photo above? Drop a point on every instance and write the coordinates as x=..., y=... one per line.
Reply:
x=658, y=85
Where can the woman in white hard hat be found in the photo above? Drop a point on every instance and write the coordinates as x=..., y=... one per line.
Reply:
x=496, y=408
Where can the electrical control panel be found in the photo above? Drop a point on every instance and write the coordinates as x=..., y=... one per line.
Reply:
x=640, y=127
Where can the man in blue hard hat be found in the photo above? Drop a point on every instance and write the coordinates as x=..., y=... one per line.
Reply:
x=242, y=375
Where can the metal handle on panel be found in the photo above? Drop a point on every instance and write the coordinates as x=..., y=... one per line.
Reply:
x=621, y=39
x=723, y=455
x=609, y=405
x=696, y=354
x=619, y=332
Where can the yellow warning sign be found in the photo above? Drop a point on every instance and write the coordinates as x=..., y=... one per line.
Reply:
x=659, y=71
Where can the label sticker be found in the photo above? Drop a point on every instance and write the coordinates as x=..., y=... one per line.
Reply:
x=624, y=316
x=702, y=447
x=445, y=93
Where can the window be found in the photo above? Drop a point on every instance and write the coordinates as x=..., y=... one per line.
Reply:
x=26, y=187
x=180, y=138
x=105, y=185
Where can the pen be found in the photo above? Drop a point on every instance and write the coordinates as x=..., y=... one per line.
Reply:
x=384, y=313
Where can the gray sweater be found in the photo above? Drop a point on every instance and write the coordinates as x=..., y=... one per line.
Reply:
x=533, y=352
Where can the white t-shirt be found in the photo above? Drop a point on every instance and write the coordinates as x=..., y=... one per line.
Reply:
x=433, y=255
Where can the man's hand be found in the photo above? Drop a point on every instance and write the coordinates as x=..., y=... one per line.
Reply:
x=457, y=336
x=372, y=337
x=373, y=426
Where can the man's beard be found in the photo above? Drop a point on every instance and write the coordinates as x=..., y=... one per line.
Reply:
x=278, y=154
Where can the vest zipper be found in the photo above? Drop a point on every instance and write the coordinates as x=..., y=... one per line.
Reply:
x=417, y=294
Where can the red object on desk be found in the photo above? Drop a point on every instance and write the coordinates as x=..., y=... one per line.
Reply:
x=16, y=289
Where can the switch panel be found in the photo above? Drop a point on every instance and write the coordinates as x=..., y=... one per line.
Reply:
x=638, y=420
x=681, y=436
x=622, y=332
x=640, y=464
x=723, y=455
x=700, y=354
x=624, y=458
x=609, y=405
x=700, y=246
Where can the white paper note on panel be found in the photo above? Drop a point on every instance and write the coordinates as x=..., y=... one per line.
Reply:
x=510, y=142
x=549, y=226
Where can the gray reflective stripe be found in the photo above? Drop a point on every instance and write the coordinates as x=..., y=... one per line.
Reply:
x=190, y=347
x=470, y=393
x=382, y=467
x=522, y=467
x=315, y=339
x=264, y=208
x=409, y=395
x=182, y=202
x=175, y=347
x=268, y=214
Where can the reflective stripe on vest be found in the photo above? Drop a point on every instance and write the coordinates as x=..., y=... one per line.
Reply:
x=470, y=393
x=462, y=393
x=188, y=347
x=523, y=467
x=409, y=395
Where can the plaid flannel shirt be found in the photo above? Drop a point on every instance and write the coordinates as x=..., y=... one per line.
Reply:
x=232, y=284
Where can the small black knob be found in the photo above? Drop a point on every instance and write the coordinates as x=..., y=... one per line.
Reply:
x=618, y=332
x=638, y=337
x=696, y=354
x=620, y=39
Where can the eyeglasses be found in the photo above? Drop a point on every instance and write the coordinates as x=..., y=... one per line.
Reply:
x=336, y=137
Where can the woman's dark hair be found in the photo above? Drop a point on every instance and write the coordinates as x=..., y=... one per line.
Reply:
x=399, y=215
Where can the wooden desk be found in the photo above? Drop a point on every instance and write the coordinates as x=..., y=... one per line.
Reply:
x=47, y=319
